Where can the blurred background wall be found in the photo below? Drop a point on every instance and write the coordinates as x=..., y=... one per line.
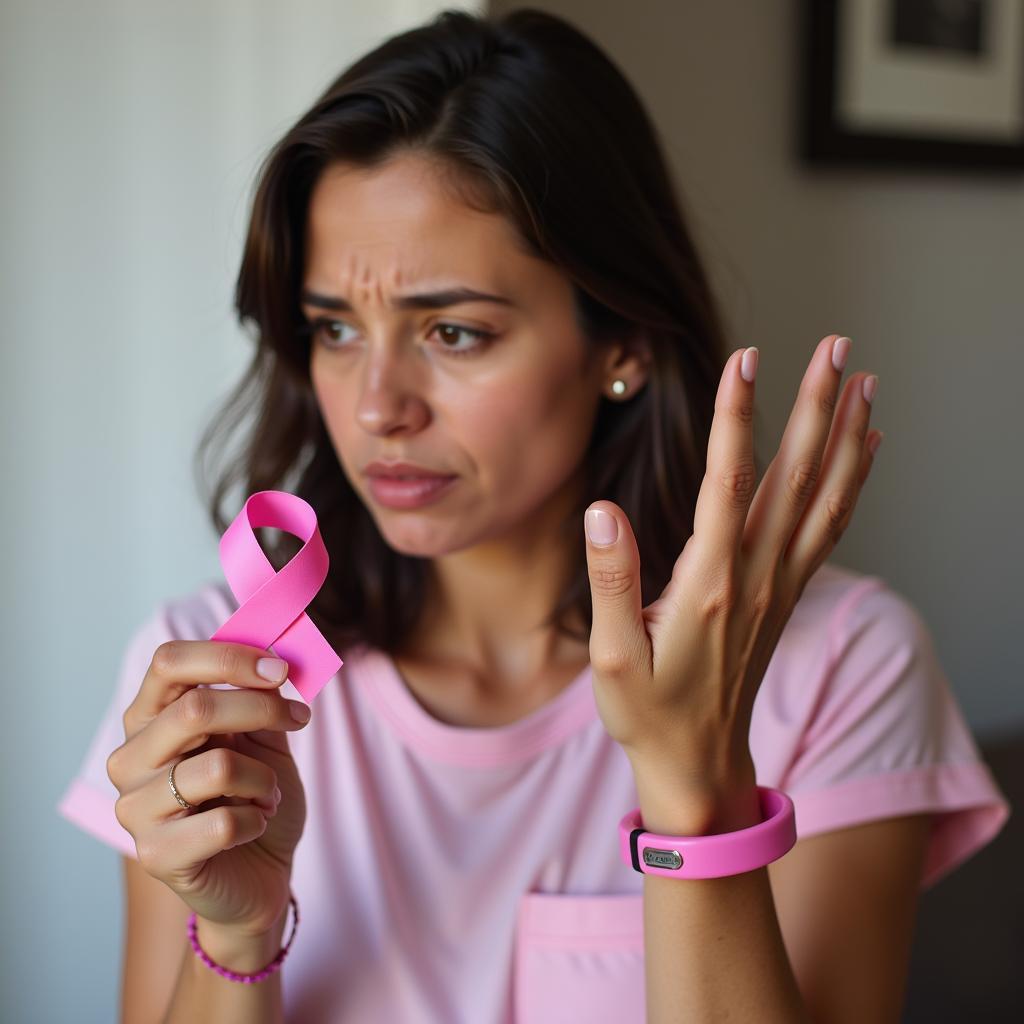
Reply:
x=131, y=133
x=924, y=271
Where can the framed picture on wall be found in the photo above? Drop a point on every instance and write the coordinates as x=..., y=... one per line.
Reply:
x=922, y=83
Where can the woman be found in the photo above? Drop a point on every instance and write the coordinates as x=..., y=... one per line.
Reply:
x=511, y=687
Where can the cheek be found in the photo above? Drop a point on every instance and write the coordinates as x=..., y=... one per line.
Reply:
x=335, y=410
x=525, y=439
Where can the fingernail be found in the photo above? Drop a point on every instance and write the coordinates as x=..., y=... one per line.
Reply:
x=875, y=442
x=277, y=794
x=300, y=712
x=602, y=529
x=748, y=365
x=870, y=386
x=840, y=350
x=272, y=669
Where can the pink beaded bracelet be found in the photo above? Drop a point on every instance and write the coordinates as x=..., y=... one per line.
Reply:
x=224, y=972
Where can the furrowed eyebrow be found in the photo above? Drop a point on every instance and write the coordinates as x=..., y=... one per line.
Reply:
x=425, y=300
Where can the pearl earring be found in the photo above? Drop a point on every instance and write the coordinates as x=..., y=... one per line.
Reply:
x=619, y=387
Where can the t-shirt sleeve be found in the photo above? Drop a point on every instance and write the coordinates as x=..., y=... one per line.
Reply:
x=88, y=801
x=887, y=738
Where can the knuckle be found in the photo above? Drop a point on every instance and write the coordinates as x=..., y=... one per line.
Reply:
x=121, y=811
x=610, y=580
x=800, y=480
x=195, y=708
x=824, y=400
x=272, y=707
x=763, y=598
x=220, y=766
x=229, y=663
x=113, y=765
x=222, y=826
x=736, y=484
x=860, y=433
x=837, y=508
x=149, y=855
x=739, y=409
x=717, y=601
x=612, y=662
x=166, y=657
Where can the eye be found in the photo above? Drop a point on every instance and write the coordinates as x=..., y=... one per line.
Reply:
x=483, y=338
x=320, y=331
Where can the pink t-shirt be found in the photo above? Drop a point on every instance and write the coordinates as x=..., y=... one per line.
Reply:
x=449, y=875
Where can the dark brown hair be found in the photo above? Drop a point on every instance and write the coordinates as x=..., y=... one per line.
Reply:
x=530, y=119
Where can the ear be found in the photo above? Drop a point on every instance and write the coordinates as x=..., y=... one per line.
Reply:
x=628, y=359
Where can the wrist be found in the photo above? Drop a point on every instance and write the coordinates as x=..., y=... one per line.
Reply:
x=729, y=811
x=244, y=953
x=700, y=805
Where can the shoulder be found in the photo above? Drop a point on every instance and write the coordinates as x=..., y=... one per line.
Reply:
x=855, y=664
x=197, y=613
x=193, y=614
x=190, y=615
x=843, y=614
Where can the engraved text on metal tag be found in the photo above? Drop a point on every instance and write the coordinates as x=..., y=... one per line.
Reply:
x=662, y=858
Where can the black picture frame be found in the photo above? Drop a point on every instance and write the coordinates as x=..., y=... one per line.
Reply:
x=825, y=140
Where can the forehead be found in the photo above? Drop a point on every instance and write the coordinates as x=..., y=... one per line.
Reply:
x=401, y=222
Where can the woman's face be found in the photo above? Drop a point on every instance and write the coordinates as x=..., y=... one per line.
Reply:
x=509, y=412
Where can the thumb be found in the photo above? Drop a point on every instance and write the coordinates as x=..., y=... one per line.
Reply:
x=618, y=637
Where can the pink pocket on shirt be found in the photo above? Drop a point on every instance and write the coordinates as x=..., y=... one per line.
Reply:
x=579, y=958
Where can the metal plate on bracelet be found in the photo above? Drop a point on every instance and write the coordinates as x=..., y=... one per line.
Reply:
x=655, y=858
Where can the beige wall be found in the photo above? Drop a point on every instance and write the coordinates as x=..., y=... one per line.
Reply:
x=924, y=271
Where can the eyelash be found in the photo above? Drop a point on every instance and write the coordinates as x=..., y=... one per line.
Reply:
x=313, y=331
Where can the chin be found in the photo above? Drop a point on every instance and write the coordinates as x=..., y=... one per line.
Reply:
x=422, y=540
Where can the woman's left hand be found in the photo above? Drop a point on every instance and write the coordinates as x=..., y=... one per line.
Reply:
x=675, y=682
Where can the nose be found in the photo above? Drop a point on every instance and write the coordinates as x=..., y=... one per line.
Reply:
x=391, y=398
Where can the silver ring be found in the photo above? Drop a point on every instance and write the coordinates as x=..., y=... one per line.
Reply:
x=174, y=789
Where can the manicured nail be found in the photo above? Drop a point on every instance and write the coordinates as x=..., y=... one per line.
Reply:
x=602, y=528
x=300, y=712
x=840, y=351
x=272, y=669
x=748, y=365
x=870, y=387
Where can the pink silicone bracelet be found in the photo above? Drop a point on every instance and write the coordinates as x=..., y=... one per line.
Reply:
x=726, y=853
x=225, y=972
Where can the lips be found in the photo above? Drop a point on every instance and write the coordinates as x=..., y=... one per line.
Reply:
x=403, y=471
x=410, y=494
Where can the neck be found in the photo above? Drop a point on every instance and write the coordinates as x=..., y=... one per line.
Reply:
x=487, y=604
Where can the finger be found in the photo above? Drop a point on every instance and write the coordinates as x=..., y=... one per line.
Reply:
x=211, y=775
x=180, y=844
x=834, y=499
x=729, y=480
x=220, y=775
x=618, y=636
x=793, y=474
x=199, y=714
x=181, y=665
x=867, y=461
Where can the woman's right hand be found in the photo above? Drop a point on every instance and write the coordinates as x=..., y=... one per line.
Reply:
x=230, y=856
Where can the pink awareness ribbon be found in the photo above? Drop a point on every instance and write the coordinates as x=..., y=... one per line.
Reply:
x=272, y=605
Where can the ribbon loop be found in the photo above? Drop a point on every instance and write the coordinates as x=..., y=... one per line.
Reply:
x=272, y=605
